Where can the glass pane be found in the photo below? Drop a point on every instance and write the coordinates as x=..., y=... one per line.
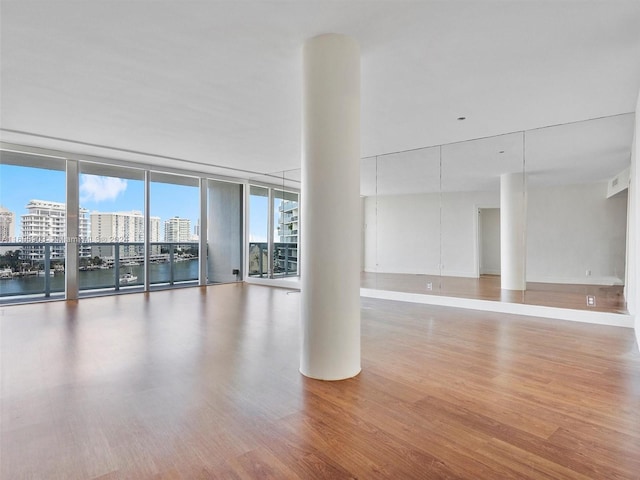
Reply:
x=407, y=221
x=112, y=257
x=471, y=229
x=32, y=226
x=286, y=220
x=577, y=177
x=368, y=188
x=175, y=229
x=258, y=231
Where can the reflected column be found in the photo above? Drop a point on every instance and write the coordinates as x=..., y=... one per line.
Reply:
x=512, y=231
x=330, y=308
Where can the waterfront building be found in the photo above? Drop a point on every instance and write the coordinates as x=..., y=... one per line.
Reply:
x=177, y=230
x=196, y=232
x=7, y=228
x=286, y=254
x=46, y=222
x=121, y=227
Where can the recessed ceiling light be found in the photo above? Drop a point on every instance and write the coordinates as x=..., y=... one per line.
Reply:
x=462, y=118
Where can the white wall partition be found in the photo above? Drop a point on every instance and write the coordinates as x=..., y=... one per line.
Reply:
x=225, y=232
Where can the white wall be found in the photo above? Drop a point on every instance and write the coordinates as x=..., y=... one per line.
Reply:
x=575, y=228
x=404, y=236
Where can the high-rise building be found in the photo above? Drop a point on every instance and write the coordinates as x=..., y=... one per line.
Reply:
x=177, y=230
x=7, y=225
x=121, y=227
x=7, y=228
x=286, y=252
x=196, y=232
x=46, y=222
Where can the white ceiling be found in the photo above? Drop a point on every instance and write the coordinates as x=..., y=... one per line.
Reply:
x=218, y=83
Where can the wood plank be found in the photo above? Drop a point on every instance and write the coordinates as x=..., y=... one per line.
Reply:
x=203, y=383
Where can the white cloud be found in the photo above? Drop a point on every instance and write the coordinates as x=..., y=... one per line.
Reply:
x=94, y=188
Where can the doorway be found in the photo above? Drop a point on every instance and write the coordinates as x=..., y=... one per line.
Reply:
x=489, y=241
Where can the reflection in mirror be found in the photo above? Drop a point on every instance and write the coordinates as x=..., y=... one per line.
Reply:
x=287, y=227
x=536, y=217
x=402, y=221
x=274, y=225
x=577, y=178
x=368, y=199
x=473, y=174
x=258, y=231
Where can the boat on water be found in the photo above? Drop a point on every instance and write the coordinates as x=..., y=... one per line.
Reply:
x=128, y=278
x=41, y=273
x=6, y=274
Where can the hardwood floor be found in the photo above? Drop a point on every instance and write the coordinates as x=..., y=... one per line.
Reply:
x=608, y=298
x=203, y=383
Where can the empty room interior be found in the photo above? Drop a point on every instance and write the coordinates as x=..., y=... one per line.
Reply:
x=319, y=239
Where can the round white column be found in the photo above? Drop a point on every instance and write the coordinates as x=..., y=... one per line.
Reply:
x=512, y=231
x=330, y=208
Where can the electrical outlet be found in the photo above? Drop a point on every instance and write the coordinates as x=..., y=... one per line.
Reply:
x=588, y=273
x=429, y=285
x=591, y=300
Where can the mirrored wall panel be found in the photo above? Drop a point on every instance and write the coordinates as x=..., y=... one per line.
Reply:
x=286, y=210
x=258, y=225
x=401, y=220
x=577, y=184
x=473, y=174
x=274, y=225
x=536, y=217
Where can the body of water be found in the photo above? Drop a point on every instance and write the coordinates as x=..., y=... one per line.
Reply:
x=96, y=279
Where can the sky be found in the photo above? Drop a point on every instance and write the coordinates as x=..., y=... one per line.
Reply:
x=19, y=185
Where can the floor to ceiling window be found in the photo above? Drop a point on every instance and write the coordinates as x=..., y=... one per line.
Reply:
x=175, y=229
x=138, y=229
x=112, y=257
x=258, y=231
x=32, y=226
x=274, y=226
x=286, y=219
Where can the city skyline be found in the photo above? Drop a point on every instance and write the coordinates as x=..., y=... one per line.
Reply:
x=97, y=194
x=19, y=185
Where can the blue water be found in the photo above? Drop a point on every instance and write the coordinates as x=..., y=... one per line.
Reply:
x=94, y=279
